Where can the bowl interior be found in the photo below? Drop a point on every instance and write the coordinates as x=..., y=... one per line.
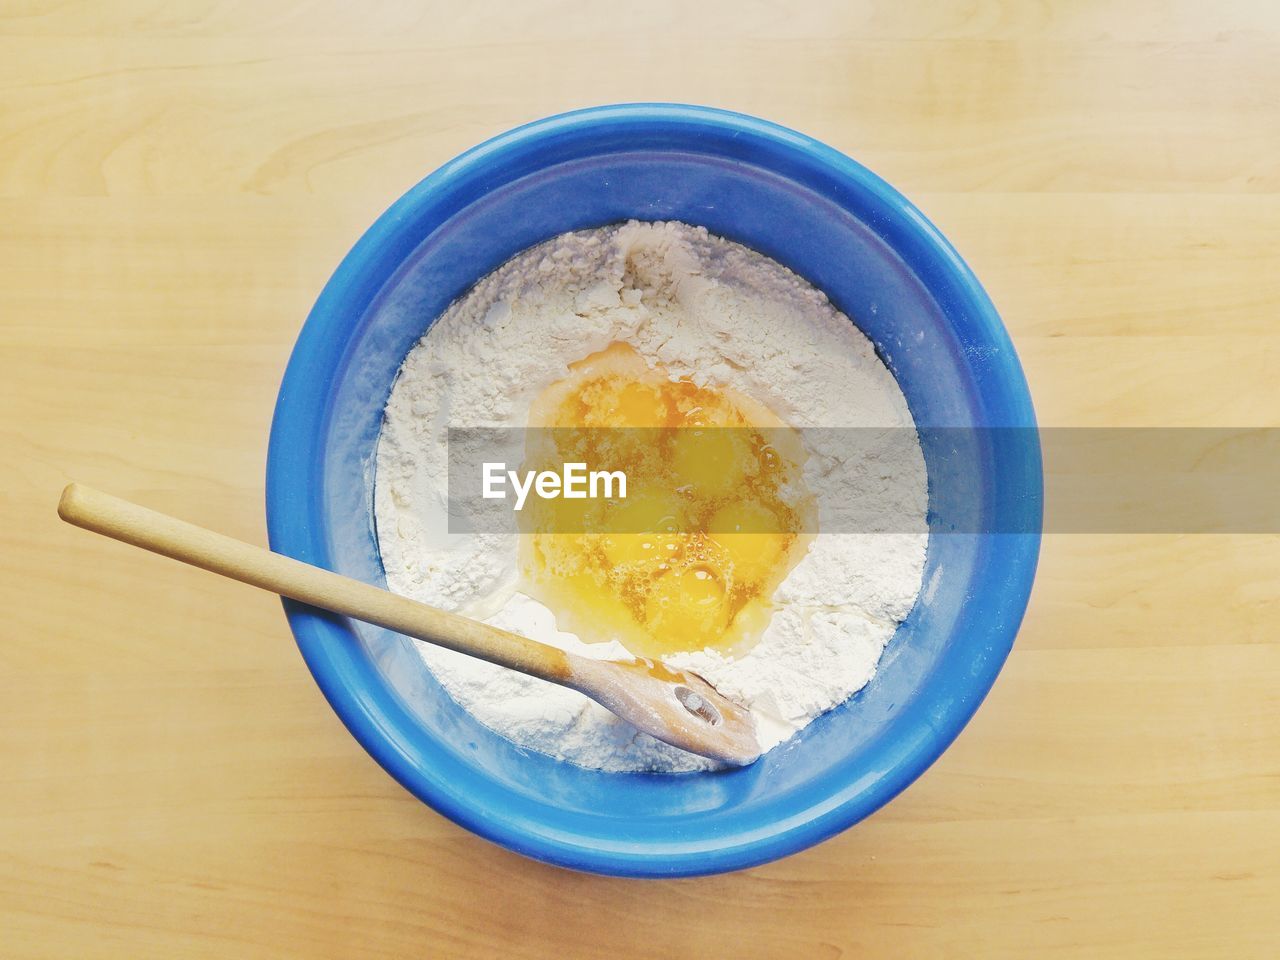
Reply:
x=831, y=222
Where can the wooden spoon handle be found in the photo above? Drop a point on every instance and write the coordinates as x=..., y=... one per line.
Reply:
x=159, y=533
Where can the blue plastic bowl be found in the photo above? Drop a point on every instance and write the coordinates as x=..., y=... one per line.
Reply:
x=834, y=223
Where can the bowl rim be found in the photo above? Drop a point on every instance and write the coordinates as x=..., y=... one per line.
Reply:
x=368, y=711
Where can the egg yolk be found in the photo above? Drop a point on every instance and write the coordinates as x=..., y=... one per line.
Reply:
x=714, y=517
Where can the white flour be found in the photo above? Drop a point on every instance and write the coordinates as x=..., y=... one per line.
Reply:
x=719, y=314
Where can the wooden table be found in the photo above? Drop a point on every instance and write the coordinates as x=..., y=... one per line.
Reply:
x=177, y=181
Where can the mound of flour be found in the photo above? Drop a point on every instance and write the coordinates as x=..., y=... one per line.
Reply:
x=721, y=315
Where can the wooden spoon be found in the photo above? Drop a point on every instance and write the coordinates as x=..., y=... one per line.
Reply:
x=679, y=708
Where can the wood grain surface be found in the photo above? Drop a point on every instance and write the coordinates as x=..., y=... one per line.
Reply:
x=179, y=177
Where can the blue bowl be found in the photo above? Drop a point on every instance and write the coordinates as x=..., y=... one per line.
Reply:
x=832, y=222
